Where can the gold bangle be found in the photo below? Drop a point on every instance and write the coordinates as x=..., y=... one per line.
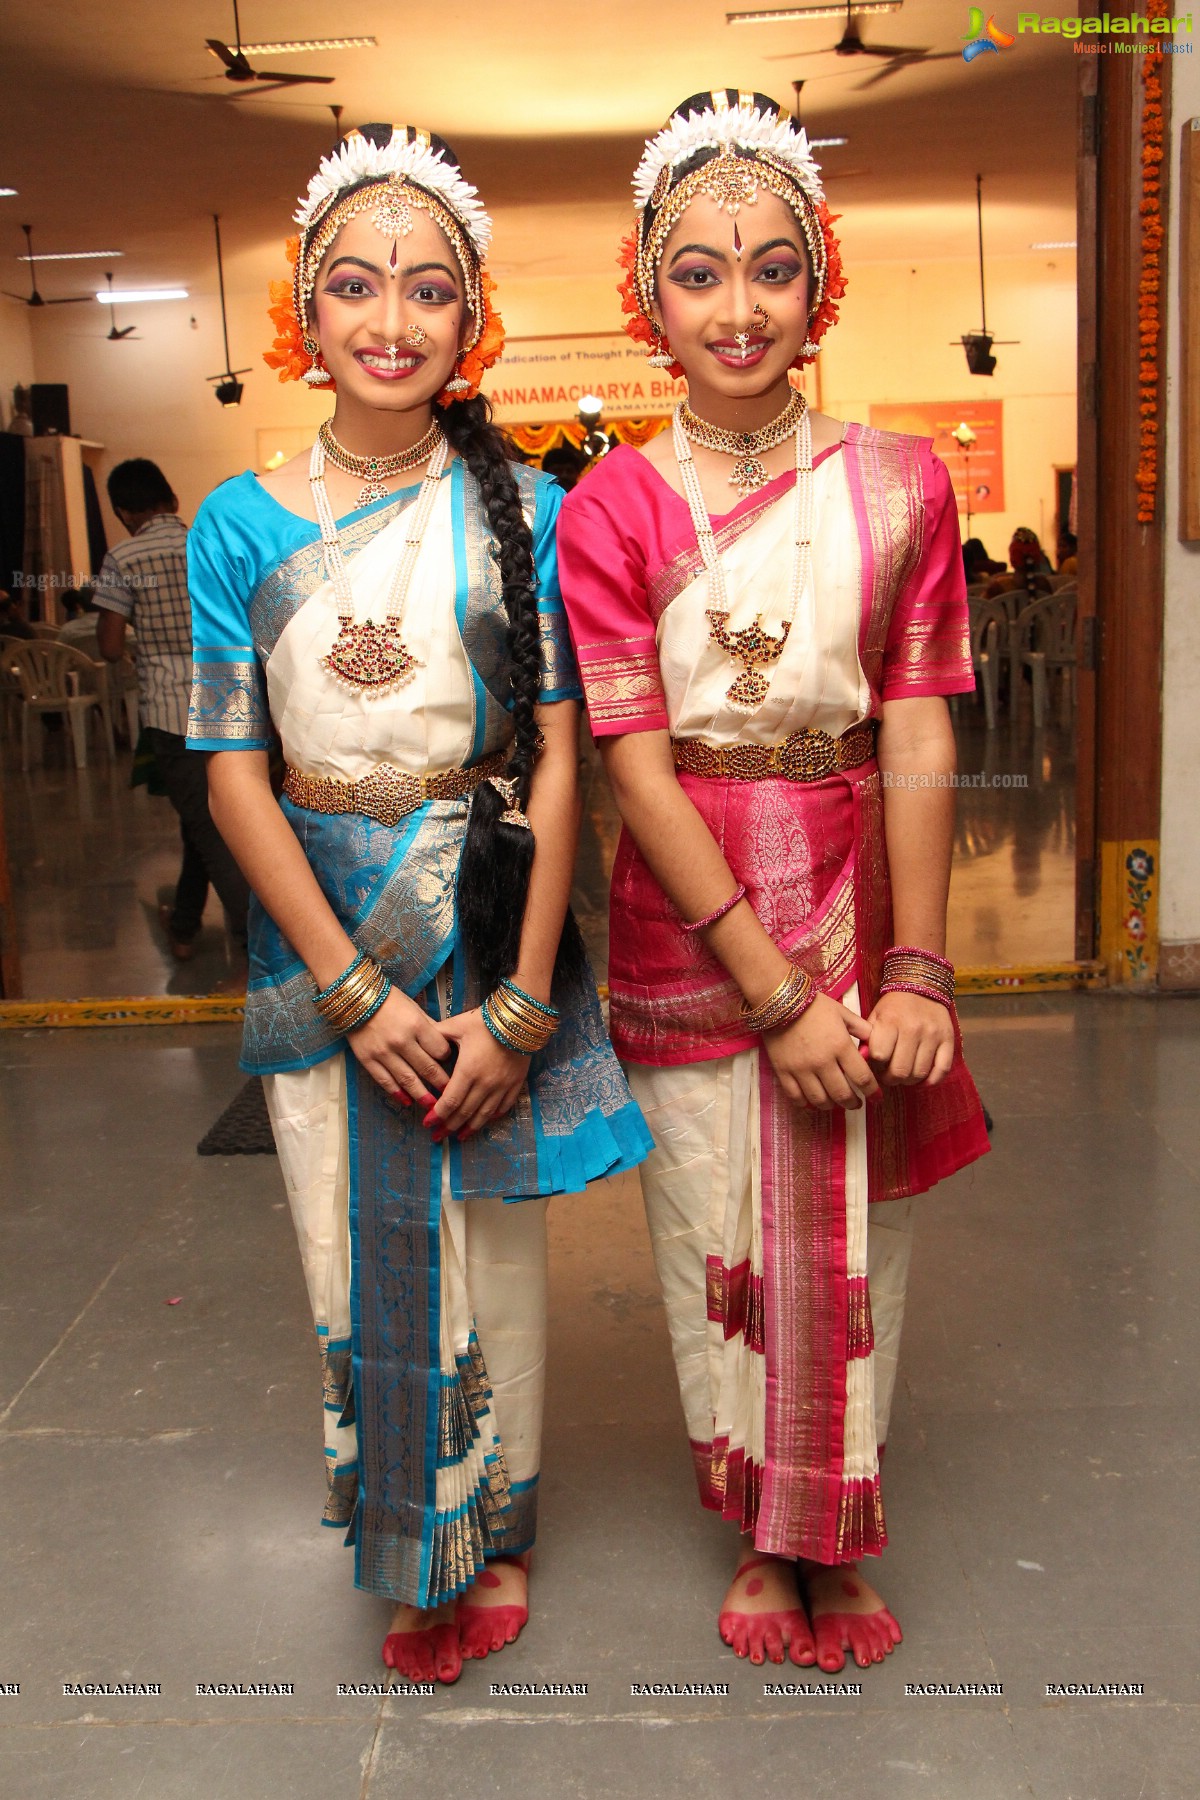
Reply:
x=794, y=995
x=359, y=993
x=512, y=1030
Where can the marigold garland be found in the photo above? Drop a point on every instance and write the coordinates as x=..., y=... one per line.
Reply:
x=639, y=328
x=288, y=355
x=1152, y=233
x=536, y=440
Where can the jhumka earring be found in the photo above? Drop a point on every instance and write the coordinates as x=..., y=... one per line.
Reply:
x=457, y=384
x=316, y=376
x=660, y=357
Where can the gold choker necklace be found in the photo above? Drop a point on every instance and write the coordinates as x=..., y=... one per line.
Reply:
x=376, y=471
x=749, y=473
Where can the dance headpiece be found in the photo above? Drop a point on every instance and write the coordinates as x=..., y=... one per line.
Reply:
x=387, y=171
x=726, y=146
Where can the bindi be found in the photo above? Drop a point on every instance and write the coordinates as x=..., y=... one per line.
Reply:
x=393, y=258
x=737, y=241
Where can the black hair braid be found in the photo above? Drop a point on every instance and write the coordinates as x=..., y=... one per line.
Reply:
x=493, y=878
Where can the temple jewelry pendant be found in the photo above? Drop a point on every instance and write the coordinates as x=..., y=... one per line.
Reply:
x=393, y=216
x=374, y=486
x=752, y=646
x=370, y=658
x=749, y=474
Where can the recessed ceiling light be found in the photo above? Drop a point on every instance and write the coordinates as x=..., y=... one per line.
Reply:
x=780, y=15
x=833, y=143
x=116, y=298
x=6, y=193
x=1055, y=244
x=71, y=256
x=288, y=45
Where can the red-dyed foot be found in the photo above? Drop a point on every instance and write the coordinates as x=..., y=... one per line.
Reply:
x=761, y=1616
x=848, y=1614
x=423, y=1646
x=495, y=1607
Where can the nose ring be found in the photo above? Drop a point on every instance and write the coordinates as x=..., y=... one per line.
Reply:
x=742, y=340
x=415, y=335
x=763, y=314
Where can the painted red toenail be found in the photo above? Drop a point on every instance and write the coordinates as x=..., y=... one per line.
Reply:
x=754, y=1587
x=487, y=1579
x=851, y=1588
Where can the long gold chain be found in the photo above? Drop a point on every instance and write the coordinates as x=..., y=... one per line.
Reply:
x=372, y=659
x=754, y=646
x=376, y=471
x=749, y=473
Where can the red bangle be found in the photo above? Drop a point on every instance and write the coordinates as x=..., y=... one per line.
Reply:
x=739, y=893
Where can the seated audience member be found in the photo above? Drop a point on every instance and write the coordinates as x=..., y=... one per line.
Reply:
x=13, y=623
x=977, y=564
x=1068, y=563
x=1031, y=569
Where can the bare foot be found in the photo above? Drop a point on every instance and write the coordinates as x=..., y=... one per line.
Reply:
x=495, y=1607
x=761, y=1615
x=848, y=1614
x=423, y=1645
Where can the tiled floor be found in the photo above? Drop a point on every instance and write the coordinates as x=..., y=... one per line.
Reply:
x=91, y=858
x=160, y=1467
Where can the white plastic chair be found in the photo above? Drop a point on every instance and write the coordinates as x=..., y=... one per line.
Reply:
x=989, y=633
x=10, y=685
x=123, y=689
x=55, y=678
x=1045, y=642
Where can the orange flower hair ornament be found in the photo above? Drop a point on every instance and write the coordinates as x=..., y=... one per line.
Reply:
x=387, y=171
x=750, y=144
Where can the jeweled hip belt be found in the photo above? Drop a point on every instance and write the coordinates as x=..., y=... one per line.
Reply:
x=387, y=793
x=808, y=755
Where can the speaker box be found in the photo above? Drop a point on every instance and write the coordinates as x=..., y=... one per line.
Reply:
x=51, y=409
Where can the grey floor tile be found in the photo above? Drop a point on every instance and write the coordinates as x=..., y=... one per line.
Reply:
x=1062, y=1514
x=785, y=1748
x=231, y=1760
x=1094, y=1750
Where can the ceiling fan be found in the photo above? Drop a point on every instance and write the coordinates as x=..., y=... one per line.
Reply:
x=33, y=298
x=897, y=56
x=237, y=66
x=126, y=331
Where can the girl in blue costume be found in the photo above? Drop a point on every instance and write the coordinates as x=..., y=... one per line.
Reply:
x=424, y=1021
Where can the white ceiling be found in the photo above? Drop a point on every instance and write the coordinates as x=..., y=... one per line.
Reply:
x=118, y=136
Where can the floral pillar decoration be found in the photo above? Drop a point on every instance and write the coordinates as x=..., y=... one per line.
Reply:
x=1149, y=321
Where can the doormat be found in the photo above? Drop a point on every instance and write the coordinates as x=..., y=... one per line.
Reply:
x=243, y=1129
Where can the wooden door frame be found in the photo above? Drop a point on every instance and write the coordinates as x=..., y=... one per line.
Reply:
x=1120, y=561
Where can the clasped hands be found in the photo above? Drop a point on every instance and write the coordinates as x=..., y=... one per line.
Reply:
x=405, y=1052
x=831, y=1057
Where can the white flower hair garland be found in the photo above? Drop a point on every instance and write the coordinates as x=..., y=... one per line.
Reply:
x=737, y=127
x=357, y=159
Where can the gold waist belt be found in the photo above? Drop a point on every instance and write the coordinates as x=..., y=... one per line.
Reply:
x=387, y=793
x=807, y=755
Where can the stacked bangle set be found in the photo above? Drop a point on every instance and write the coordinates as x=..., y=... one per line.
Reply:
x=514, y=1018
x=794, y=995
x=518, y=1021
x=907, y=970
x=356, y=995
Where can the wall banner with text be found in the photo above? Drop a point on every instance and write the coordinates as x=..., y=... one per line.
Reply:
x=980, y=465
